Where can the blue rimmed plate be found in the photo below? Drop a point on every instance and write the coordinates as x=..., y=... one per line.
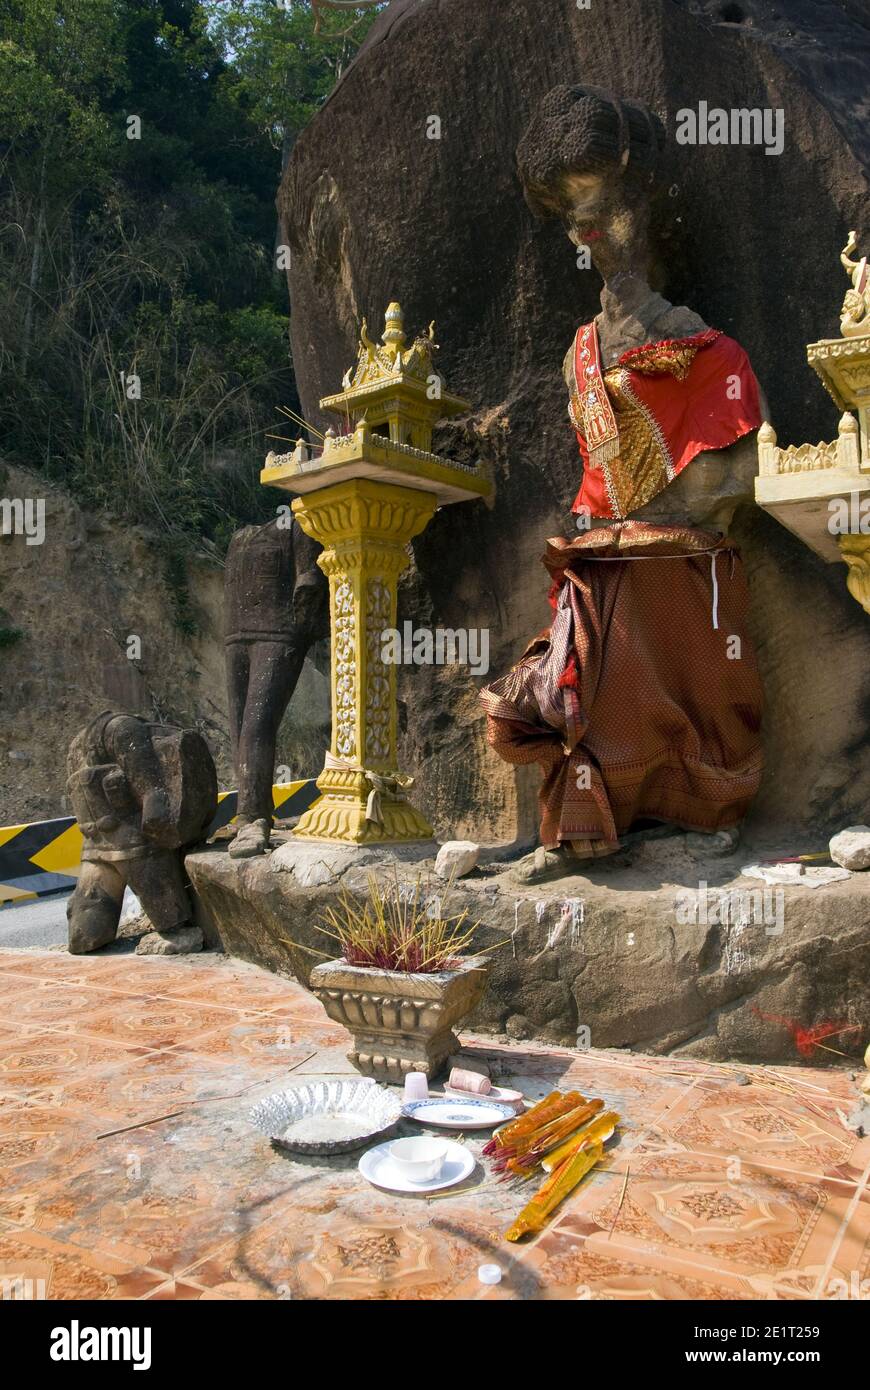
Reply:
x=447, y=1113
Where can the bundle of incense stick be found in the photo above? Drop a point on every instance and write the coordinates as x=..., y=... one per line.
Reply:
x=564, y=1135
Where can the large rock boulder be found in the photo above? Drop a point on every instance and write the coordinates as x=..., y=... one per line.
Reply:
x=375, y=210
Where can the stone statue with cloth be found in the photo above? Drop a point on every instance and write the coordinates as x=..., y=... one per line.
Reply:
x=641, y=701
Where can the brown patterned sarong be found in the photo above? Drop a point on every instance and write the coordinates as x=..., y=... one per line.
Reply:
x=642, y=701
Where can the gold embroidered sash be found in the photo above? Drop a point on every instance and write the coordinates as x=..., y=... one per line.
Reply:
x=589, y=399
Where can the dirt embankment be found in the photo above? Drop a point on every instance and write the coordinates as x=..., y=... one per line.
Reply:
x=71, y=608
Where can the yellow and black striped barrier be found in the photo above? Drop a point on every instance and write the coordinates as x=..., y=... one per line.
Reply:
x=46, y=856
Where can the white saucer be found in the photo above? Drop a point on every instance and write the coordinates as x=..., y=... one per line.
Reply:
x=377, y=1166
x=447, y=1113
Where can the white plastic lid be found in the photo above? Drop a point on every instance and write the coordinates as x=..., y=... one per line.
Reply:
x=489, y=1274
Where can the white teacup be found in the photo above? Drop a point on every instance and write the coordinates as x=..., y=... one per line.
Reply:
x=418, y=1160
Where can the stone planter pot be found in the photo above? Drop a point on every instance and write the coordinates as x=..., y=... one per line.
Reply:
x=399, y=1022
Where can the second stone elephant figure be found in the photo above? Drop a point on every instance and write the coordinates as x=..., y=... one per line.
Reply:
x=276, y=606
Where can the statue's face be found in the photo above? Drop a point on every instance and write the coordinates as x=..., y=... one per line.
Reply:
x=598, y=214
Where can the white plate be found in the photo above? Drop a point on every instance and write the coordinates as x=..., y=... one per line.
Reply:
x=458, y=1114
x=377, y=1166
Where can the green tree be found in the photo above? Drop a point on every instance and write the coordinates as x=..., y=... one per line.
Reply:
x=57, y=63
x=286, y=60
x=144, y=327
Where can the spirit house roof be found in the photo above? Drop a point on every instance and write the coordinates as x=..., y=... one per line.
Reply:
x=391, y=378
x=389, y=403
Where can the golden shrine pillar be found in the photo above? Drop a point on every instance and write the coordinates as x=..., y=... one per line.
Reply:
x=364, y=497
x=364, y=528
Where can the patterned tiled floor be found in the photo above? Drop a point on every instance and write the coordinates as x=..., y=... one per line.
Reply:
x=128, y=1168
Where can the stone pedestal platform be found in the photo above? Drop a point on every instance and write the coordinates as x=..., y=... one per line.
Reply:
x=599, y=959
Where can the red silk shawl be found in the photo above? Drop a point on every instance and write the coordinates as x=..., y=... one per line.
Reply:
x=640, y=422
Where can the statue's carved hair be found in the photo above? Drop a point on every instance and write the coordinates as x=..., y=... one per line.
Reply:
x=585, y=130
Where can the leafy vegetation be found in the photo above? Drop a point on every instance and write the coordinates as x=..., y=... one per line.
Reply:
x=143, y=317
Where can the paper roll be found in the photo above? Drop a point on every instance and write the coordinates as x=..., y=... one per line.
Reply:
x=462, y=1080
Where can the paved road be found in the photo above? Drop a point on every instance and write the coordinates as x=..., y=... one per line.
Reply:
x=39, y=923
